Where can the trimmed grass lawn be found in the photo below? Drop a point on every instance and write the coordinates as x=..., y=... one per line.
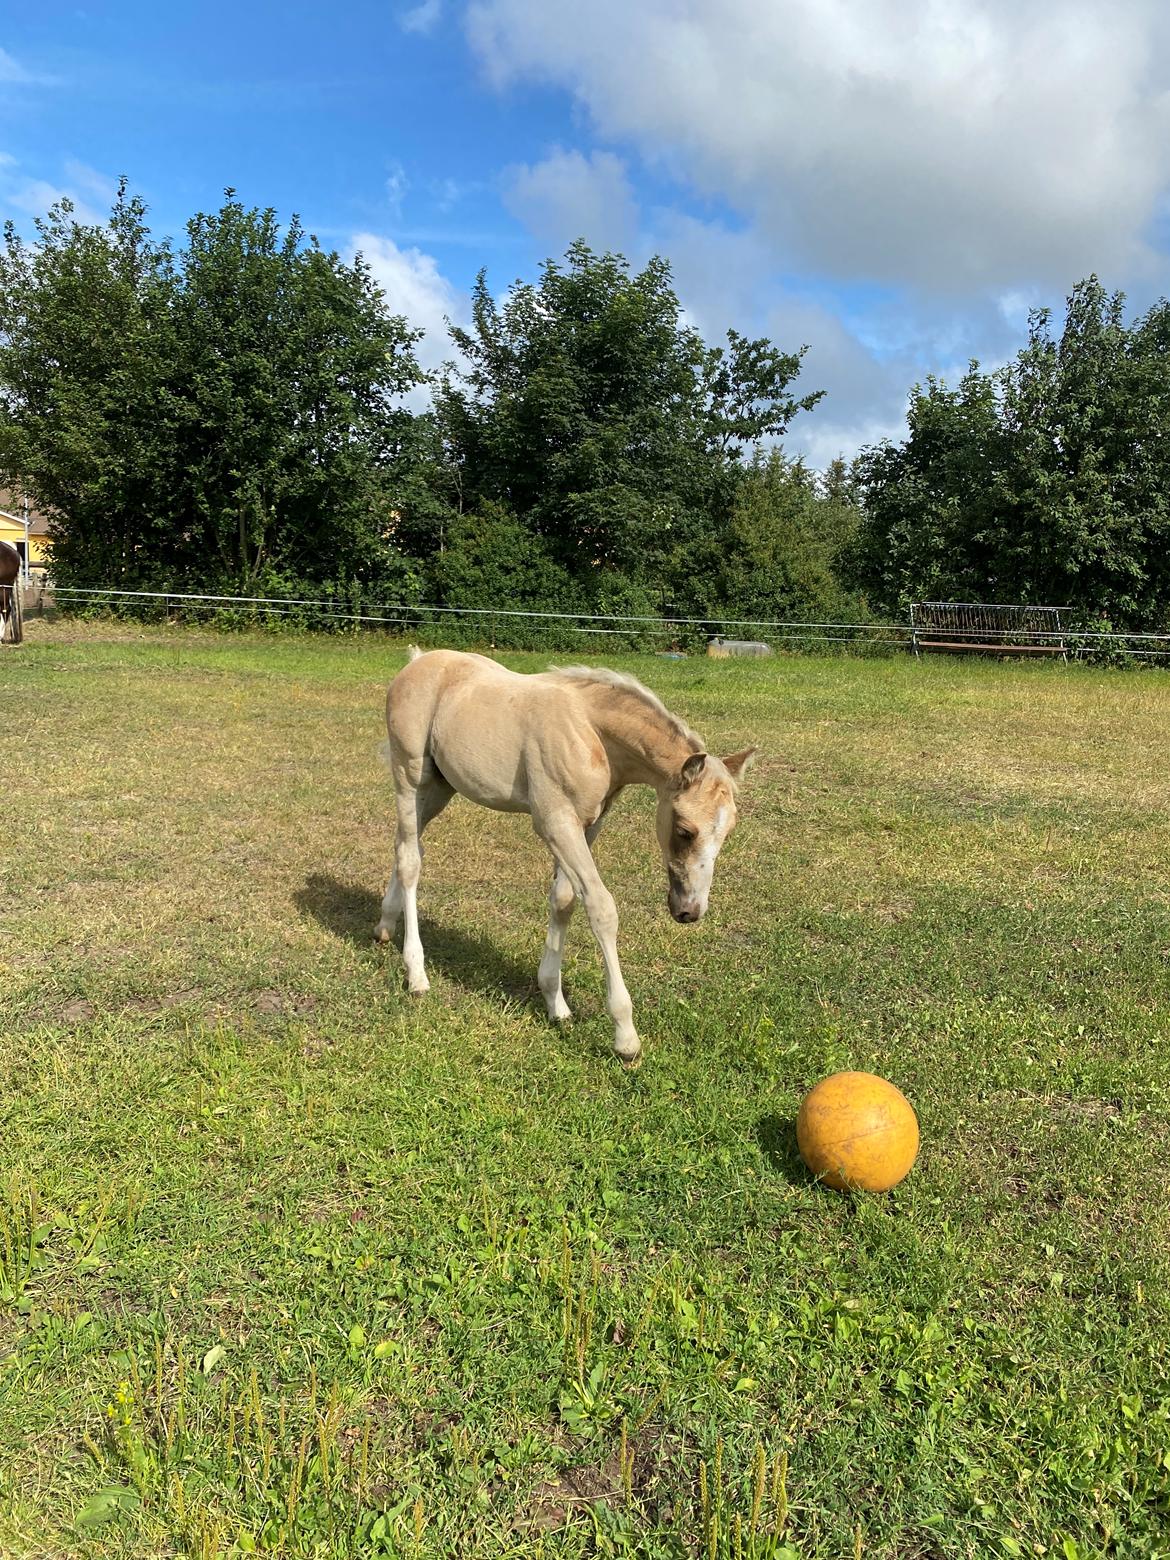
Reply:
x=291, y=1263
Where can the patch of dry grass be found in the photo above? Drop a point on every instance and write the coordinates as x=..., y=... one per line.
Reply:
x=262, y=1217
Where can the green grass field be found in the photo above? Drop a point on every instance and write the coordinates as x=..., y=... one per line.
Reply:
x=293, y=1264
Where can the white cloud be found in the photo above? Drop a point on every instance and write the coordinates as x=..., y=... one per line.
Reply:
x=34, y=197
x=864, y=355
x=865, y=396
x=570, y=196
x=1016, y=307
x=82, y=176
x=415, y=287
x=447, y=193
x=948, y=143
x=723, y=276
x=397, y=185
x=423, y=18
x=13, y=73
x=821, y=441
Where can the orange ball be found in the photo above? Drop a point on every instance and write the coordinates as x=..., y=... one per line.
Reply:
x=856, y=1130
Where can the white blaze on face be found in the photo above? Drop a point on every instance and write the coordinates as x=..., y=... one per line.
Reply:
x=704, y=858
x=692, y=872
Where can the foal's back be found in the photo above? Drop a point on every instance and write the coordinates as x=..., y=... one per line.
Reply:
x=442, y=686
x=501, y=738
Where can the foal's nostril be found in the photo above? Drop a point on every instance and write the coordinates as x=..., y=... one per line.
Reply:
x=687, y=915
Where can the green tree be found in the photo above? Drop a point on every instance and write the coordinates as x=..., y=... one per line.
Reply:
x=603, y=421
x=1086, y=416
x=490, y=561
x=932, y=511
x=746, y=388
x=289, y=376
x=230, y=415
x=1048, y=482
x=86, y=345
x=778, y=555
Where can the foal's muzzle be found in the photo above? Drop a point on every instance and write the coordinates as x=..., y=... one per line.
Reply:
x=684, y=905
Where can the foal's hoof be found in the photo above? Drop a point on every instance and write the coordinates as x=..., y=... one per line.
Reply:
x=629, y=1052
x=420, y=989
x=383, y=934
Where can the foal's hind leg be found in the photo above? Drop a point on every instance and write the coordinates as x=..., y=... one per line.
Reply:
x=429, y=800
x=561, y=899
x=418, y=805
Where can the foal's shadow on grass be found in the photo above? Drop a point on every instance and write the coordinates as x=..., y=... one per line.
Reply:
x=776, y=1136
x=351, y=912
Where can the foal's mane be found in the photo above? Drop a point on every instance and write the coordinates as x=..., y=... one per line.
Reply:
x=621, y=683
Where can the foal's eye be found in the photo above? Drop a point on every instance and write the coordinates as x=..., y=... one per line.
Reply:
x=685, y=836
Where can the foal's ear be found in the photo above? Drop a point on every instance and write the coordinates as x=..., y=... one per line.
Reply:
x=738, y=762
x=691, y=770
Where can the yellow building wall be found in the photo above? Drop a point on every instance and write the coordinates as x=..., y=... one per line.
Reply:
x=38, y=546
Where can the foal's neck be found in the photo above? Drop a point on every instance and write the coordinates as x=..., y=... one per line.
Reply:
x=645, y=746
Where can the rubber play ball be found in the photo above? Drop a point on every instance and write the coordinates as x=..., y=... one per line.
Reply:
x=855, y=1130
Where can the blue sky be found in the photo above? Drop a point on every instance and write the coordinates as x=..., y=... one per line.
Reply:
x=894, y=182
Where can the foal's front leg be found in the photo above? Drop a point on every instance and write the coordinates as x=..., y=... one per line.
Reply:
x=561, y=899
x=570, y=850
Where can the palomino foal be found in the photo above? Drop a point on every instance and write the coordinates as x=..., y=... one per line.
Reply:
x=559, y=745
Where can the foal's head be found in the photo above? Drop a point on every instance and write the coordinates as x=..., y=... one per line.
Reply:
x=695, y=815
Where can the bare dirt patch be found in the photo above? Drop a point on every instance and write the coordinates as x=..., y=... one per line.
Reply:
x=81, y=1011
x=274, y=1004
x=654, y=1456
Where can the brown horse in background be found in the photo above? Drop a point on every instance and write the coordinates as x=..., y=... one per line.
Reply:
x=11, y=630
